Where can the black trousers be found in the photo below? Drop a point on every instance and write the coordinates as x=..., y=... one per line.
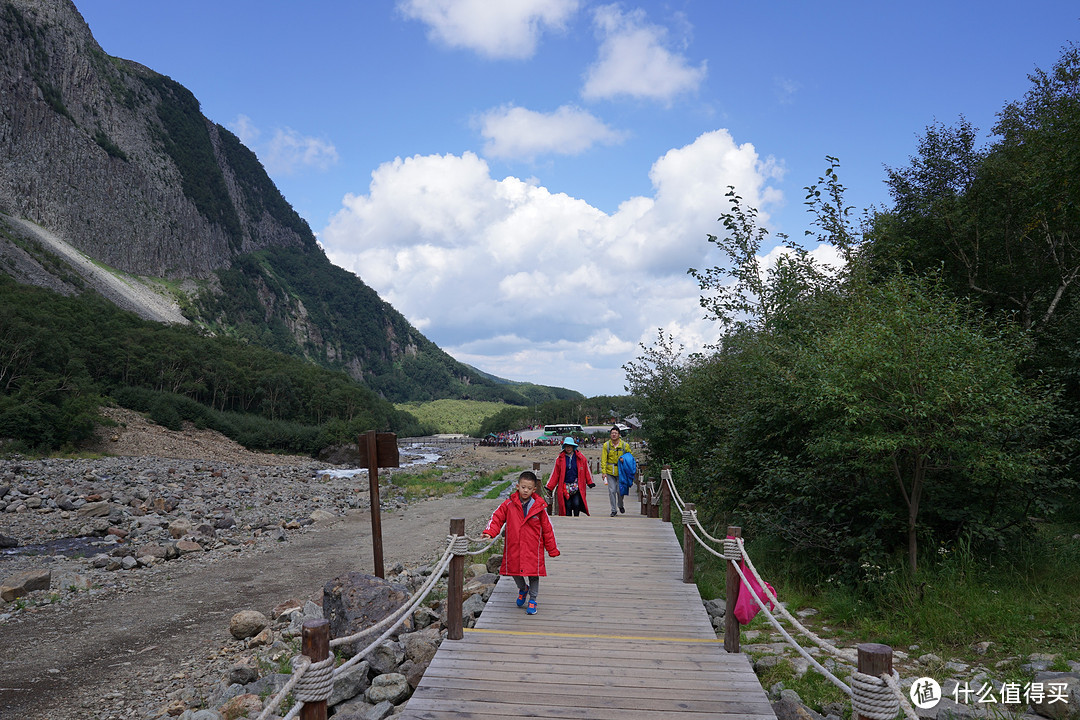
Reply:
x=574, y=504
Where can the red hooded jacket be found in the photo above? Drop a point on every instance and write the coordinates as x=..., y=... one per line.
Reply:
x=526, y=536
x=557, y=482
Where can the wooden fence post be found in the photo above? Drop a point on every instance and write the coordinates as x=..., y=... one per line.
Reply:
x=315, y=644
x=454, y=587
x=373, y=496
x=874, y=660
x=645, y=497
x=665, y=494
x=688, y=549
x=731, y=596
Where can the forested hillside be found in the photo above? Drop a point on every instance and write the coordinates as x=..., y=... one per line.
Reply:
x=61, y=358
x=920, y=401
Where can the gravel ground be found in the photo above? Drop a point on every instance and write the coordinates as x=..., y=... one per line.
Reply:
x=138, y=642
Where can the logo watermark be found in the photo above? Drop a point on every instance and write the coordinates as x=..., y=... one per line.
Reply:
x=926, y=693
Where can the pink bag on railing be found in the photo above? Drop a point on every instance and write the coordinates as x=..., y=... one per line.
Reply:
x=745, y=607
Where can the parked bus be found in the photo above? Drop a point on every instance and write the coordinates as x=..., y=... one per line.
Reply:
x=568, y=429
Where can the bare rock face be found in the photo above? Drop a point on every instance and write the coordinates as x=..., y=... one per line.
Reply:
x=118, y=159
x=355, y=601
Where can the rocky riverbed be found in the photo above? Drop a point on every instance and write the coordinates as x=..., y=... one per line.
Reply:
x=137, y=561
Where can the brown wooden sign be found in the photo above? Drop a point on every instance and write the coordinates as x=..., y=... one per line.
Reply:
x=386, y=451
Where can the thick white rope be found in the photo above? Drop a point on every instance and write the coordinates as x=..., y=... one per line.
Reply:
x=871, y=697
x=482, y=538
x=775, y=623
x=878, y=698
x=893, y=681
x=846, y=654
x=324, y=671
x=734, y=550
x=317, y=682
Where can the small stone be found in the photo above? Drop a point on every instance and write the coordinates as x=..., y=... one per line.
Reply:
x=247, y=623
x=23, y=583
x=246, y=705
x=186, y=547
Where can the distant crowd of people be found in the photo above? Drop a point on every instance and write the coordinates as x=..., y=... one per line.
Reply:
x=513, y=439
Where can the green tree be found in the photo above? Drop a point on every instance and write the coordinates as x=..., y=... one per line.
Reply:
x=1002, y=222
x=842, y=416
x=908, y=386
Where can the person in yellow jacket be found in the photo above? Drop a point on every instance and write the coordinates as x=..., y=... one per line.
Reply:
x=609, y=467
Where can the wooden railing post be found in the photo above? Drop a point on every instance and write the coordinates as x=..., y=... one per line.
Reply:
x=454, y=587
x=654, y=501
x=373, y=496
x=687, y=549
x=665, y=494
x=874, y=660
x=645, y=497
x=731, y=596
x=315, y=644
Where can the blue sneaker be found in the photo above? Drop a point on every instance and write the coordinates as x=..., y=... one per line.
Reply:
x=531, y=610
x=521, y=597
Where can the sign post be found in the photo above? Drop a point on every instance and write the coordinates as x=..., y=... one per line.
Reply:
x=377, y=450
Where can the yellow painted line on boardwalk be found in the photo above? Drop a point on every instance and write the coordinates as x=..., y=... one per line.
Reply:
x=592, y=637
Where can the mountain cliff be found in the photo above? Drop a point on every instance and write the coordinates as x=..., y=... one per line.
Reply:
x=104, y=158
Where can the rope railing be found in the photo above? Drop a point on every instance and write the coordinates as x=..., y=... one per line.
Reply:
x=873, y=697
x=313, y=681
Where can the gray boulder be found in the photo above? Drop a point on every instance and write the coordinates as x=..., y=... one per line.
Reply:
x=391, y=687
x=1061, y=695
x=349, y=684
x=790, y=707
x=386, y=657
x=355, y=601
x=380, y=712
x=472, y=607
x=420, y=647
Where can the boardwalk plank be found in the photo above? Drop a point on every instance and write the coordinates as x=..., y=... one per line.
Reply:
x=618, y=636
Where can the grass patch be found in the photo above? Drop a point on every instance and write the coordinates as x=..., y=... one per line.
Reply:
x=429, y=483
x=452, y=416
x=1021, y=602
x=482, y=480
x=497, y=491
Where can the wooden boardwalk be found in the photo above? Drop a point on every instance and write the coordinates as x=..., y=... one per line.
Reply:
x=617, y=636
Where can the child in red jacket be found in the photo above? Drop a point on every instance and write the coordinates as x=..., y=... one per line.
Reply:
x=528, y=534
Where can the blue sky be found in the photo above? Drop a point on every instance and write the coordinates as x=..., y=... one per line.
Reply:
x=528, y=180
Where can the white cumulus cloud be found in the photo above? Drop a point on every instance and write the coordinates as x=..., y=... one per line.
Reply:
x=635, y=61
x=493, y=28
x=512, y=132
x=287, y=152
x=534, y=285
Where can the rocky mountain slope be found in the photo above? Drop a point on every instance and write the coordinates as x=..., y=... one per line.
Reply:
x=118, y=160
x=112, y=180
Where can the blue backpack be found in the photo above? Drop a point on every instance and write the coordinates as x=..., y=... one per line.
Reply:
x=627, y=473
